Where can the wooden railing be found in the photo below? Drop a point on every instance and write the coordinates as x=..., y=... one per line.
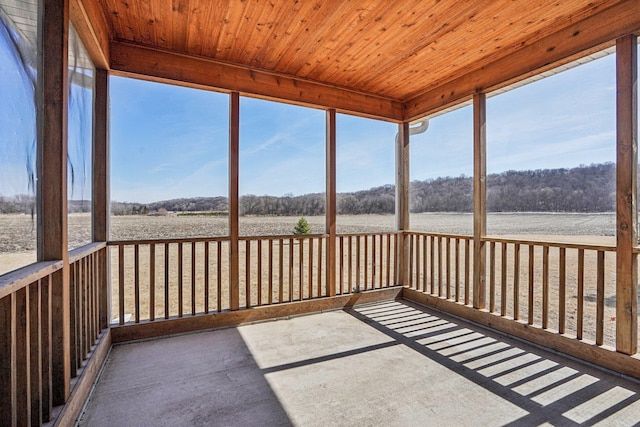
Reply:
x=441, y=264
x=561, y=287
x=155, y=279
x=366, y=261
x=30, y=355
x=88, y=300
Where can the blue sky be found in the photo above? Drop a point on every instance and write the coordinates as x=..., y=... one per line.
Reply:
x=169, y=141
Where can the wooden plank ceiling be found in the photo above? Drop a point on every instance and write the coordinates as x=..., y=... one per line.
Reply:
x=396, y=50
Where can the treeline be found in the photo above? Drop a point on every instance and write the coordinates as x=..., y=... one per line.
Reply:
x=581, y=189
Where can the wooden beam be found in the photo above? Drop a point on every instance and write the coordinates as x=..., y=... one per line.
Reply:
x=331, y=202
x=626, y=194
x=561, y=47
x=194, y=71
x=53, y=89
x=93, y=29
x=479, y=199
x=100, y=153
x=234, y=161
x=402, y=201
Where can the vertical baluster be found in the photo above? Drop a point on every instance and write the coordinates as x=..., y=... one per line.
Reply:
x=310, y=266
x=291, y=269
x=341, y=263
x=503, y=279
x=424, y=263
x=136, y=281
x=580, y=313
x=193, y=278
x=432, y=267
x=121, y=284
x=366, y=262
x=448, y=268
x=280, y=271
x=259, y=272
x=350, y=262
x=206, y=276
x=180, y=283
x=45, y=294
x=373, y=261
x=247, y=273
x=467, y=270
x=531, y=261
x=492, y=277
x=396, y=250
x=7, y=385
x=166, y=280
x=270, y=297
x=357, y=286
x=319, y=269
x=457, y=270
x=301, y=268
x=516, y=281
x=416, y=284
x=440, y=281
x=562, y=282
x=35, y=348
x=600, y=300
x=74, y=316
x=388, y=269
x=152, y=282
x=409, y=279
x=545, y=287
x=380, y=260
x=219, y=276
x=21, y=362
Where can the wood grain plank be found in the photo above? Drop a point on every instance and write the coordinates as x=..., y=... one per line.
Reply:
x=516, y=282
x=626, y=194
x=580, y=296
x=479, y=199
x=234, y=198
x=600, y=299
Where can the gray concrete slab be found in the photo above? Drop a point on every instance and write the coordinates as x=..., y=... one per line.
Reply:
x=389, y=363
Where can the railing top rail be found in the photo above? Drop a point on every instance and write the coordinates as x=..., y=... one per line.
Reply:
x=443, y=235
x=370, y=233
x=86, y=250
x=284, y=236
x=603, y=248
x=18, y=279
x=163, y=241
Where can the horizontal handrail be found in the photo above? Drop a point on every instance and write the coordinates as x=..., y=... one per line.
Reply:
x=86, y=250
x=284, y=236
x=589, y=247
x=443, y=235
x=18, y=279
x=370, y=233
x=163, y=241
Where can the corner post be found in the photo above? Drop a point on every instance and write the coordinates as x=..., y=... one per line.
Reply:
x=52, y=93
x=626, y=194
x=100, y=194
x=330, y=205
x=234, y=162
x=479, y=199
x=402, y=202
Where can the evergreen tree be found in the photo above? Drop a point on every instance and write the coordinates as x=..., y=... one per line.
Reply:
x=302, y=227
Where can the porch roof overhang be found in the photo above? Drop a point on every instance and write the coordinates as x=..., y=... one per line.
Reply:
x=392, y=60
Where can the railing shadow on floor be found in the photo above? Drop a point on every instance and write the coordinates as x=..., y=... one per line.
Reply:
x=549, y=387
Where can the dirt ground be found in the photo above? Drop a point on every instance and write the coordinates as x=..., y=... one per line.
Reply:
x=17, y=248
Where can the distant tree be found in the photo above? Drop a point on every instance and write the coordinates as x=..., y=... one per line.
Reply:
x=302, y=227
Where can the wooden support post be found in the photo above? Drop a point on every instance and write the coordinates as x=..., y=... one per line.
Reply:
x=479, y=199
x=330, y=205
x=626, y=193
x=234, y=160
x=402, y=202
x=53, y=90
x=100, y=195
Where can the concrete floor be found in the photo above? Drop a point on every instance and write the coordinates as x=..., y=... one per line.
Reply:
x=389, y=363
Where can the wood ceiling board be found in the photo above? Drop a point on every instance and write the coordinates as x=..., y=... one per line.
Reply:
x=93, y=29
x=163, y=65
x=555, y=49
